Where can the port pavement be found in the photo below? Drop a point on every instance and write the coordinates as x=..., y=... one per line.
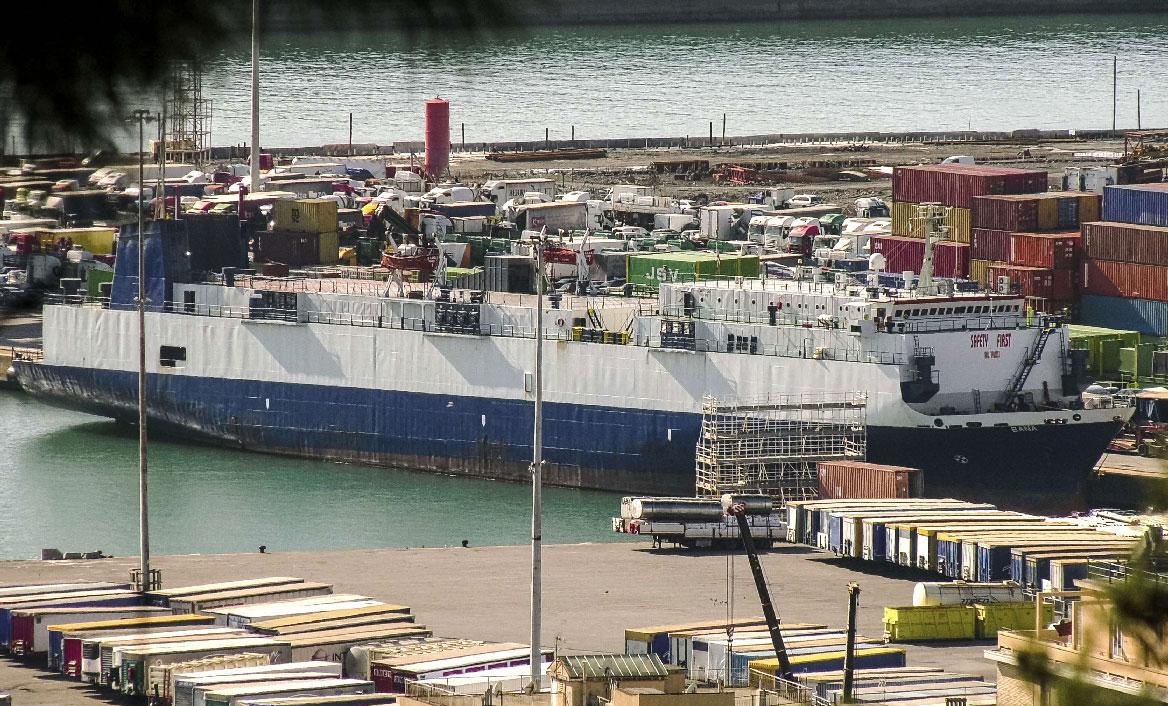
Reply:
x=592, y=592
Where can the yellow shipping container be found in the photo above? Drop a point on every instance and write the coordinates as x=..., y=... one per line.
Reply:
x=99, y=241
x=959, y=220
x=918, y=623
x=977, y=270
x=1090, y=208
x=348, y=256
x=905, y=222
x=992, y=617
x=329, y=248
x=1048, y=213
x=306, y=216
x=903, y=213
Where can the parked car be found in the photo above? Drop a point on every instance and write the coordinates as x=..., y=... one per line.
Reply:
x=804, y=200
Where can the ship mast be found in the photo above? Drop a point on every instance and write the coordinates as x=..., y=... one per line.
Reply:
x=254, y=169
x=536, y=657
x=931, y=216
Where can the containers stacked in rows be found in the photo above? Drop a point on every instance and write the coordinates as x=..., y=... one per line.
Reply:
x=304, y=232
x=1029, y=244
x=955, y=187
x=1125, y=280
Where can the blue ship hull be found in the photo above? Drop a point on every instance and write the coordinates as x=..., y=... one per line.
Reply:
x=610, y=448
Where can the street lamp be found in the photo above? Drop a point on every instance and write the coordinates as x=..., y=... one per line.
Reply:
x=143, y=117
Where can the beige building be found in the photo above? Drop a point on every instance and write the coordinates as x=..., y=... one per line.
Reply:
x=1096, y=649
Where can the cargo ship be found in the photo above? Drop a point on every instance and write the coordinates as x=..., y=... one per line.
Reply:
x=969, y=386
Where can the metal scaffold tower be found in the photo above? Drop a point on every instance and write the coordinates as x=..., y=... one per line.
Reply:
x=188, y=117
x=771, y=445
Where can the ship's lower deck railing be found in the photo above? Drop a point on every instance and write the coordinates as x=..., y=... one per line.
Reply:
x=924, y=325
x=804, y=348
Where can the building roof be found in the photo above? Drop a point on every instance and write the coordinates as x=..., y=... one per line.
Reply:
x=612, y=666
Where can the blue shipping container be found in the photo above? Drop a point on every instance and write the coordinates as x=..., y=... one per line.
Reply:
x=167, y=261
x=1143, y=315
x=835, y=533
x=1068, y=213
x=1145, y=204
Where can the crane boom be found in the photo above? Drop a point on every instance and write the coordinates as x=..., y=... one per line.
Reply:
x=738, y=511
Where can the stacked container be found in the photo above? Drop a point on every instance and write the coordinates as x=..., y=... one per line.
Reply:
x=1015, y=234
x=955, y=186
x=315, y=219
x=1125, y=268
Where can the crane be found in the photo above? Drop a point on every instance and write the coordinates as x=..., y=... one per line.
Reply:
x=736, y=509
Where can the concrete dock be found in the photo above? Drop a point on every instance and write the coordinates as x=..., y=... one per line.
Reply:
x=592, y=592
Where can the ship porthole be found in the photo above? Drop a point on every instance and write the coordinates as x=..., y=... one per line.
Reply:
x=1077, y=417
x=938, y=422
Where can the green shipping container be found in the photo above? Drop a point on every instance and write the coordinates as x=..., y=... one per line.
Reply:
x=1103, y=346
x=94, y=280
x=650, y=269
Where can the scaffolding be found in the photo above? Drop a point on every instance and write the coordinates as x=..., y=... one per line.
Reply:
x=187, y=137
x=772, y=445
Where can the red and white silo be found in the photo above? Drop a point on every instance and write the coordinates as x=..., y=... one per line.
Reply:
x=437, y=137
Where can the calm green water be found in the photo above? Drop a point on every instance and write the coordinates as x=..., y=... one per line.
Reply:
x=70, y=481
x=984, y=73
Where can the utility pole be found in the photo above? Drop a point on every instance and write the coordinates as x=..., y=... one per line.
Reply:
x=850, y=651
x=142, y=116
x=1139, y=116
x=1114, y=89
x=537, y=479
x=254, y=177
x=350, y=134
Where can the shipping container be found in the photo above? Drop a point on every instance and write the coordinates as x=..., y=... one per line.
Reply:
x=958, y=184
x=990, y=244
x=1142, y=315
x=1123, y=242
x=65, y=640
x=291, y=248
x=1143, y=204
x=236, y=616
x=262, y=594
x=1125, y=279
x=906, y=222
x=978, y=267
x=342, y=700
x=296, y=623
x=30, y=628
x=333, y=644
x=329, y=245
x=183, y=683
x=99, y=654
x=79, y=599
x=924, y=623
x=135, y=671
x=650, y=269
x=233, y=696
x=902, y=254
x=305, y=215
x=1056, y=251
x=1008, y=213
x=163, y=596
x=871, y=658
x=856, y=479
x=1032, y=281
x=216, y=241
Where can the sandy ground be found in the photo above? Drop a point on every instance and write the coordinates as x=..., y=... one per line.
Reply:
x=592, y=592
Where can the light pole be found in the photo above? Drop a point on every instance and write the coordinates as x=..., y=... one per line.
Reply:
x=254, y=177
x=143, y=117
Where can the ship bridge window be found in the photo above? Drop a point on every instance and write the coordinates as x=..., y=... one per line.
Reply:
x=172, y=356
x=959, y=310
x=933, y=312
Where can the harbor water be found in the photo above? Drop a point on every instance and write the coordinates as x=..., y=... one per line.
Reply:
x=70, y=481
x=979, y=73
x=986, y=73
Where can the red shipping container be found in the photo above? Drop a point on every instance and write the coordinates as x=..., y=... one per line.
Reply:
x=1147, y=245
x=1125, y=279
x=986, y=244
x=901, y=254
x=958, y=184
x=950, y=259
x=1011, y=212
x=858, y=479
x=1025, y=281
x=1057, y=251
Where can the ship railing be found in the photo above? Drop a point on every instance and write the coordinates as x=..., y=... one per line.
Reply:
x=804, y=349
x=21, y=353
x=980, y=323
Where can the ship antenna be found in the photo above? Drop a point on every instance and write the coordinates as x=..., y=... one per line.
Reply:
x=536, y=658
